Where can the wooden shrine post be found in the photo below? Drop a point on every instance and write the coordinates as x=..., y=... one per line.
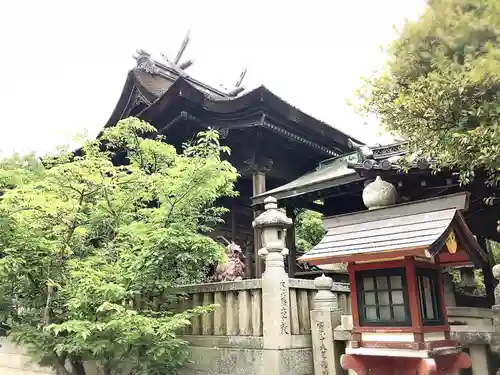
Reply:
x=260, y=167
x=290, y=243
x=489, y=279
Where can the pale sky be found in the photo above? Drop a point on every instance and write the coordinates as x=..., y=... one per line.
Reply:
x=64, y=63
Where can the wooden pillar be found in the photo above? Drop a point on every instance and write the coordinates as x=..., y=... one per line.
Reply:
x=233, y=223
x=489, y=280
x=259, y=187
x=259, y=166
x=290, y=244
x=495, y=336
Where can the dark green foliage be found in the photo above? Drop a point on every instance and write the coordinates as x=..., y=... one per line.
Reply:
x=440, y=89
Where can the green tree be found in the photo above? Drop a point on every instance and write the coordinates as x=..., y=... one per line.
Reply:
x=495, y=249
x=92, y=249
x=17, y=169
x=309, y=230
x=440, y=89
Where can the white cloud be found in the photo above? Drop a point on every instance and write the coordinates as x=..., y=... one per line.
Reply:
x=64, y=63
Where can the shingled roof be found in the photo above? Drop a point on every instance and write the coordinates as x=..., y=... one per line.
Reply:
x=416, y=229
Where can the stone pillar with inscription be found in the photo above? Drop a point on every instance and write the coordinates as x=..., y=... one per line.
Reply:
x=325, y=317
x=275, y=286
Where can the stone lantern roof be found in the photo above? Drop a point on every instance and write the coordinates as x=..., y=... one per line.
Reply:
x=272, y=217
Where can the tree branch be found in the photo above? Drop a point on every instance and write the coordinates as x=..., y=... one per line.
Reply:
x=192, y=186
x=74, y=224
x=108, y=201
x=47, y=314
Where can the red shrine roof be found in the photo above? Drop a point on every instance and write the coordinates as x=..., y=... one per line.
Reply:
x=421, y=228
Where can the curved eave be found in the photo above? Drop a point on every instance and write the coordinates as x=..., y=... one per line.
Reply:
x=333, y=174
x=124, y=100
x=260, y=98
x=409, y=235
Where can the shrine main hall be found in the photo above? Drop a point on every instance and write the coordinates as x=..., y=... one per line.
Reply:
x=281, y=151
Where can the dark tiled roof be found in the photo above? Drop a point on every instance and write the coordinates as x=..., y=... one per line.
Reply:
x=332, y=173
x=160, y=87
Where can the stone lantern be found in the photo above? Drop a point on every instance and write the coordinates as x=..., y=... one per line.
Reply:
x=273, y=223
x=275, y=282
x=467, y=280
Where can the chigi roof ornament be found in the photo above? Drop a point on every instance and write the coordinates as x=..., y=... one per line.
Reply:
x=178, y=68
x=238, y=88
x=176, y=64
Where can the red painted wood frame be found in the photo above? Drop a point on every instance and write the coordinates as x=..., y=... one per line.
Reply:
x=417, y=327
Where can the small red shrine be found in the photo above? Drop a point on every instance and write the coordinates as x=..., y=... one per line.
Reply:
x=395, y=254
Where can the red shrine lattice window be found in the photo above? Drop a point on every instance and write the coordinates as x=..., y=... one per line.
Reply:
x=383, y=297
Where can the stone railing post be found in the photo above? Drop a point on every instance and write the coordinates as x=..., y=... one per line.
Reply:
x=495, y=338
x=325, y=317
x=275, y=286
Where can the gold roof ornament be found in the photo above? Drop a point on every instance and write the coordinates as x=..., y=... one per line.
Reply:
x=451, y=243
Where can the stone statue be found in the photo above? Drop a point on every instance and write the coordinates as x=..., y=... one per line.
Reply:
x=234, y=268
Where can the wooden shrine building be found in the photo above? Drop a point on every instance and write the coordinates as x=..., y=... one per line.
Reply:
x=281, y=151
x=339, y=183
x=272, y=142
x=396, y=254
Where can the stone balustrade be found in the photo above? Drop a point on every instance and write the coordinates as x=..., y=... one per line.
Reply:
x=239, y=306
x=471, y=325
x=301, y=298
x=238, y=311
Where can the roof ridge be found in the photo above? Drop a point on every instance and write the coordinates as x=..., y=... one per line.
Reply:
x=154, y=67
